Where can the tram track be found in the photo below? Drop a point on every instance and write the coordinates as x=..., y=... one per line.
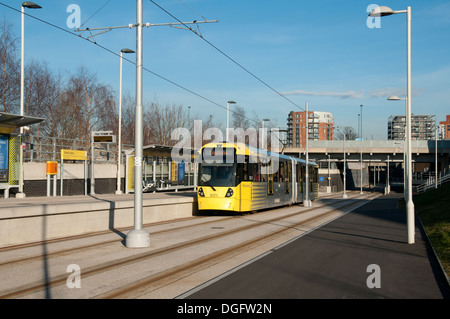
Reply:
x=66, y=251
x=126, y=290
x=129, y=291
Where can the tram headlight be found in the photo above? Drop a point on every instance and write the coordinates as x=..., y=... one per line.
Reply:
x=200, y=192
x=229, y=193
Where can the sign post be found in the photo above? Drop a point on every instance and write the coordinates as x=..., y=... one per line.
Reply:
x=99, y=137
x=74, y=156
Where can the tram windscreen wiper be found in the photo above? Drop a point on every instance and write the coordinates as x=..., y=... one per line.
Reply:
x=210, y=185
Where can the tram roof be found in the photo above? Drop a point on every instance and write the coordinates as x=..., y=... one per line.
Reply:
x=245, y=149
x=158, y=150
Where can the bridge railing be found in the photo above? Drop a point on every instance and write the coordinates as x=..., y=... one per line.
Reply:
x=431, y=183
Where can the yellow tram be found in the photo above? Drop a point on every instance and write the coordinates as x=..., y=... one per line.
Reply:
x=237, y=177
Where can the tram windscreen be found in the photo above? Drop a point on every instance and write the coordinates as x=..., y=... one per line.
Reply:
x=218, y=167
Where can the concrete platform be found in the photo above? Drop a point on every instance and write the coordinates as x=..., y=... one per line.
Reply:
x=42, y=218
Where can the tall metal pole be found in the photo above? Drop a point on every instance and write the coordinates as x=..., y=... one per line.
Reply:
x=228, y=121
x=409, y=202
x=30, y=5
x=359, y=125
x=388, y=187
x=119, y=143
x=436, y=158
x=138, y=237
x=92, y=191
x=361, y=172
x=344, y=173
x=307, y=202
x=361, y=122
x=21, y=194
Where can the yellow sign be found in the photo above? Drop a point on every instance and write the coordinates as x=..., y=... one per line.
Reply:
x=73, y=155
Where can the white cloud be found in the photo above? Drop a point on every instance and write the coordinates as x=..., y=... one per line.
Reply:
x=342, y=95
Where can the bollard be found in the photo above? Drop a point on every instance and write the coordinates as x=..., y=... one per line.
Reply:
x=52, y=170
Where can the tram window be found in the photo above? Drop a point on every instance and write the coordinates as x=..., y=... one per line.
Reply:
x=217, y=175
x=275, y=177
x=287, y=177
x=281, y=171
x=255, y=172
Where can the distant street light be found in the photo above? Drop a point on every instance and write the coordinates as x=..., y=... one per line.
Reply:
x=381, y=12
x=29, y=5
x=307, y=202
x=119, y=143
x=361, y=106
x=263, y=137
x=228, y=118
x=436, y=156
x=344, y=173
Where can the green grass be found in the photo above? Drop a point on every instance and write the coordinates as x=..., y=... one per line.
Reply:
x=433, y=208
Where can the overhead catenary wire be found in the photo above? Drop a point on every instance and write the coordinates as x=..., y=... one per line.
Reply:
x=229, y=57
x=104, y=5
x=128, y=60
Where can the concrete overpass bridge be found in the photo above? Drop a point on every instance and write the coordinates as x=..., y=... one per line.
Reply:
x=371, y=159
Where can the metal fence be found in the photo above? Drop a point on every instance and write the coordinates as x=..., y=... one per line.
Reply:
x=44, y=148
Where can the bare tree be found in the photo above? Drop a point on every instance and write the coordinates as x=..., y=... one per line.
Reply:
x=42, y=95
x=161, y=121
x=10, y=70
x=128, y=118
x=348, y=131
x=240, y=120
x=88, y=103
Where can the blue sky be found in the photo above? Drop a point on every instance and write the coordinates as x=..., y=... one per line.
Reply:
x=321, y=52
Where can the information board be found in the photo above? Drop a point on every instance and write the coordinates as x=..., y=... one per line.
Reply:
x=4, y=140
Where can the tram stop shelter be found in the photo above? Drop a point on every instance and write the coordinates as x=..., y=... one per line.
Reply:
x=10, y=142
x=161, y=172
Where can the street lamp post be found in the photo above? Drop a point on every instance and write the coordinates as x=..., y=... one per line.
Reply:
x=388, y=187
x=29, y=5
x=361, y=106
x=361, y=172
x=263, y=136
x=386, y=11
x=228, y=118
x=138, y=237
x=307, y=202
x=119, y=143
x=436, y=157
x=344, y=173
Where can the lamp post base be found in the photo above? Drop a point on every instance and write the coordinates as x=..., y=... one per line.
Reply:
x=138, y=238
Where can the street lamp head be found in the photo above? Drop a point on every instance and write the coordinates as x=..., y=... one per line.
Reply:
x=395, y=98
x=231, y=102
x=381, y=11
x=127, y=50
x=31, y=5
x=266, y=120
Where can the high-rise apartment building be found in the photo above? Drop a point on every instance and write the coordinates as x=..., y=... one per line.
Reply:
x=445, y=128
x=321, y=127
x=422, y=127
